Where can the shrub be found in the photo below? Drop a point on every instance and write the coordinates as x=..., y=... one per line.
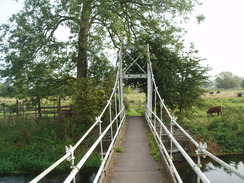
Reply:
x=88, y=100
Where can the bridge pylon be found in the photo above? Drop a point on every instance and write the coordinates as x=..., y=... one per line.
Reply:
x=143, y=50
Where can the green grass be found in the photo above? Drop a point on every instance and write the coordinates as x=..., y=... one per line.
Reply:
x=34, y=144
x=227, y=131
x=135, y=102
x=119, y=149
x=154, y=148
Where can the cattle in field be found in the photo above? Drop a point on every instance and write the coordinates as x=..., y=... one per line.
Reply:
x=214, y=109
x=218, y=92
x=211, y=93
x=239, y=95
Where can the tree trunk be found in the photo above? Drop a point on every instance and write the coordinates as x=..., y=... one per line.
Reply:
x=82, y=63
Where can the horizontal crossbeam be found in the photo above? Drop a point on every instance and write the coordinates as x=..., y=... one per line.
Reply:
x=135, y=76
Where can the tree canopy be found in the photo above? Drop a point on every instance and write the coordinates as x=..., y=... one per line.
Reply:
x=33, y=57
x=242, y=83
x=227, y=80
x=178, y=74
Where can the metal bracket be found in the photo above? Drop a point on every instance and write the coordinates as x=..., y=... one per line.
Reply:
x=200, y=148
x=98, y=119
x=71, y=158
x=172, y=121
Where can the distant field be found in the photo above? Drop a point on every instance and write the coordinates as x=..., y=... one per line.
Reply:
x=135, y=102
x=224, y=94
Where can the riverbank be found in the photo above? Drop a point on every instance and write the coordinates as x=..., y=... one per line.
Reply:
x=214, y=171
x=32, y=145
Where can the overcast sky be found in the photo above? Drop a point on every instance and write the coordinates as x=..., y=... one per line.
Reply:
x=219, y=38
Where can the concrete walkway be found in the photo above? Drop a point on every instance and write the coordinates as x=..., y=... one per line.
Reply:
x=136, y=164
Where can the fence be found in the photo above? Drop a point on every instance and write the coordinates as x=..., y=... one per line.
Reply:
x=20, y=110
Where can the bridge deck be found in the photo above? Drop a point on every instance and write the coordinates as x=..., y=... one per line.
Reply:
x=136, y=164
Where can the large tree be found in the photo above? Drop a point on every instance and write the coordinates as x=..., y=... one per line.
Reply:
x=227, y=80
x=33, y=56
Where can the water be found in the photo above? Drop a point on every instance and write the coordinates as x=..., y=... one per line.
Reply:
x=86, y=176
x=213, y=171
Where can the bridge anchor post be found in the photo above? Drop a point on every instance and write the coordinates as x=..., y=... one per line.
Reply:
x=199, y=153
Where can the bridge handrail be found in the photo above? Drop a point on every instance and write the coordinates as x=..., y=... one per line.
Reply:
x=203, y=150
x=99, y=172
x=76, y=169
x=183, y=152
x=165, y=151
x=70, y=150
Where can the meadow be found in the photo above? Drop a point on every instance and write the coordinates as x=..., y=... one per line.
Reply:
x=34, y=143
x=224, y=134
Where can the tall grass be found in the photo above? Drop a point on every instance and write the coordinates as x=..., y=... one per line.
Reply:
x=227, y=130
x=34, y=144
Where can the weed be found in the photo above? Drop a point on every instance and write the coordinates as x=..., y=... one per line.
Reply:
x=119, y=149
x=154, y=148
x=34, y=144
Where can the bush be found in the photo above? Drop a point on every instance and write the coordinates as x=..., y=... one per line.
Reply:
x=88, y=100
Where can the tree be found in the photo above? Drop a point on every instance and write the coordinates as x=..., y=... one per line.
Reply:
x=191, y=77
x=33, y=54
x=6, y=90
x=178, y=74
x=227, y=80
x=242, y=83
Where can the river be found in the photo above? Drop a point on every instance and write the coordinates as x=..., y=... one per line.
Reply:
x=85, y=176
x=215, y=173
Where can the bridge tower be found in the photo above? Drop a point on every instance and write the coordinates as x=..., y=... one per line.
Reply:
x=143, y=51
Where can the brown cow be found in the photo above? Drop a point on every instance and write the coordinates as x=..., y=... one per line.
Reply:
x=214, y=109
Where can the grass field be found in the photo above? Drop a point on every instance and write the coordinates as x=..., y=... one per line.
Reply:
x=224, y=134
x=135, y=102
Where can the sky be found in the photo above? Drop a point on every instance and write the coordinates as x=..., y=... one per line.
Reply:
x=219, y=38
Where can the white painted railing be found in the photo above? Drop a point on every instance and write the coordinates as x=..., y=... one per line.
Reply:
x=115, y=122
x=157, y=122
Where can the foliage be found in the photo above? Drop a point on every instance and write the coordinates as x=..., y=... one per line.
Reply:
x=35, y=58
x=227, y=80
x=242, y=83
x=119, y=149
x=226, y=130
x=7, y=90
x=102, y=72
x=154, y=148
x=88, y=100
x=134, y=103
x=33, y=145
x=179, y=75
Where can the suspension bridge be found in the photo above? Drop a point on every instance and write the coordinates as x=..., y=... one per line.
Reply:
x=135, y=164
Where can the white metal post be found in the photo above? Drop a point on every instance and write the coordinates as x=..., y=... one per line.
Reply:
x=116, y=110
x=149, y=84
x=110, y=117
x=101, y=142
x=121, y=80
x=161, y=118
x=155, y=107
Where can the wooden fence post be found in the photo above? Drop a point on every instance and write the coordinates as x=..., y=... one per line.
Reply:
x=39, y=106
x=59, y=107
x=17, y=107
x=4, y=111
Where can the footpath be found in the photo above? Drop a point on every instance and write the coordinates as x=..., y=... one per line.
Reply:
x=135, y=164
